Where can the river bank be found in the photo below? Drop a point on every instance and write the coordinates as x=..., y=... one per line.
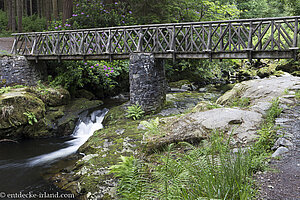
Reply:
x=239, y=113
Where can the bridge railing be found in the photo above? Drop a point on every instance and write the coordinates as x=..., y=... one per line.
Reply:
x=194, y=40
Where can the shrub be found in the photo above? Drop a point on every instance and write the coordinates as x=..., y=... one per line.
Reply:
x=101, y=77
x=33, y=23
x=3, y=21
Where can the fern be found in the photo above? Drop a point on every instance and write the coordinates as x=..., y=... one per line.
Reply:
x=31, y=117
x=135, y=112
x=152, y=127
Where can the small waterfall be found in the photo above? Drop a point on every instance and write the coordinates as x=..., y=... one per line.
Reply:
x=86, y=126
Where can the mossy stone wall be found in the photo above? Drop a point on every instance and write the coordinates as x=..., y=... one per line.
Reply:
x=17, y=70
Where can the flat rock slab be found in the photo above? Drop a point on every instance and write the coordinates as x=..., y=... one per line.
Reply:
x=240, y=123
x=261, y=90
x=196, y=126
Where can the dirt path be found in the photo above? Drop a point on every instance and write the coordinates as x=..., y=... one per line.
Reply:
x=6, y=44
x=284, y=183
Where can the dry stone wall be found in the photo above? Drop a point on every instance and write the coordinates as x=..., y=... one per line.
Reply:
x=17, y=70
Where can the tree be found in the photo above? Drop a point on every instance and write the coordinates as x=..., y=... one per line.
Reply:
x=47, y=10
x=67, y=10
x=9, y=14
x=55, y=9
x=19, y=14
x=13, y=15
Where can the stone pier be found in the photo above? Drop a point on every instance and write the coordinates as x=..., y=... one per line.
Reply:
x=147, y=81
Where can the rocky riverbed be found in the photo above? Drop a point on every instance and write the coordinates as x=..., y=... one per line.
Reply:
x=239, y=113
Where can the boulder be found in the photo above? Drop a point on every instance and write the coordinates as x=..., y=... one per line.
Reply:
x=260, y=90
x=84, y=94
x=34, y=113
x=22, y=115
x=196, y=126
x=52, y=96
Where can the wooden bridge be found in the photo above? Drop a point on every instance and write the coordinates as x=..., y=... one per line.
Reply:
x=272, y=38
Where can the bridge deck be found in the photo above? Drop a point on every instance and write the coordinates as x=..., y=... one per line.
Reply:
x=272, y=38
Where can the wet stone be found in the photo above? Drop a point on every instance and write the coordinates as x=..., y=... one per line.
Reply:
x=280, y=151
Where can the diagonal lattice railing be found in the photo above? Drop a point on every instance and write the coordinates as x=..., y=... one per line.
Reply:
x=246, y=38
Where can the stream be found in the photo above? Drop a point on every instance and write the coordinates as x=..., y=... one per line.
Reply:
x=23, y=165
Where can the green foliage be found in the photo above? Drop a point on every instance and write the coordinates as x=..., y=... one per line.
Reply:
x=135, y=112
x=213, y=106
x=293, y=7
x=240, y=102
x=30, y=117
x=198, y=71
x=5, y=89
x=18, y=86
x=211, y=172
x=130, y=172
x=105, y=78
x=152, y=127
x=33, y=23
x=297, y=95
x=102, y=14
x=148, y=11
x=261, y=8
x=3, y=21
x=267, y=136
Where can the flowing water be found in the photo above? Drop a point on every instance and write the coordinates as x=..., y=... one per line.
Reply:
x=22, y=165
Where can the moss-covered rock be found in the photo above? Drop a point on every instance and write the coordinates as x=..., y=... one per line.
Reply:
x=51, y=96
x=267, y=70
x=290, y=67
x=21, y=113
x=84, y=94
x=34, y=112
x=179, y=84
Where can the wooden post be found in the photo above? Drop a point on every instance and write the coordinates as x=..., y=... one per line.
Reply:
x=108, y=46
x=222, y=40
x=295, y=40
x=250, y=42
x=140, y=42
x=209, y=42
x=34, y=44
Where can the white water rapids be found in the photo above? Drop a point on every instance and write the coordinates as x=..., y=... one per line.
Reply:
x=85, y=128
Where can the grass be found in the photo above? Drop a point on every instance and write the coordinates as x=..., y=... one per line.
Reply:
x=5, y=90
x=297, y=95
x=8, y=88
x=211, y=171
x=240, y=102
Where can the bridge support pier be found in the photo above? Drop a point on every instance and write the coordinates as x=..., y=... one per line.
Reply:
x=147, y=81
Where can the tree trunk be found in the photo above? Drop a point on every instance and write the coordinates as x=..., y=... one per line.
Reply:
x=9, y=15
x=30, y=5
x=48, y=11
x=19, y=14
x=67, y=10
x=25, y=8
x=13, y=15
x=55, y=9
x=38, y=5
